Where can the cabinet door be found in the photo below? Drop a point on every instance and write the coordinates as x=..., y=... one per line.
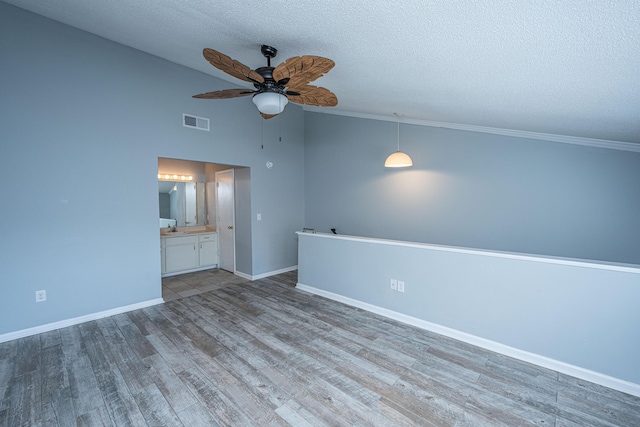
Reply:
x=208, y=253
x=181, y=257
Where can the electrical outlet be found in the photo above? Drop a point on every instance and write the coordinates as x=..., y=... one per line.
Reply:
x=400, y=286
x=41, y=296
x=393, y=284
x=259, y=217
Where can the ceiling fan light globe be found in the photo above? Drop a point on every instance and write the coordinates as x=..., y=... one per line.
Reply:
x=270, y=102
x=398, y=160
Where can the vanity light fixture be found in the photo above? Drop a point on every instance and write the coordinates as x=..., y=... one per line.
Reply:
x=398, y=159
x=174, y=177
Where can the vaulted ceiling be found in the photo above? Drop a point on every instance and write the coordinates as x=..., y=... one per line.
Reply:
x=568, y=67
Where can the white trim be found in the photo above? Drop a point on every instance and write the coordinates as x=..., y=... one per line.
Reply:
x=243, y=275
x=601, y=265
x=536, y=359
x=576, y=140
x=274, y=272
x=77, y=320
x=263, y=275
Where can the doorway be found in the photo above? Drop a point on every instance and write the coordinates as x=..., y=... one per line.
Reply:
x=236, y=258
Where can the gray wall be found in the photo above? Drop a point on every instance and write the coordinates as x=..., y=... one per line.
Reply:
x=84, y=120
x=472, y=189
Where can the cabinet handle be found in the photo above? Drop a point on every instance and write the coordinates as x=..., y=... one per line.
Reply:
x=230, y=227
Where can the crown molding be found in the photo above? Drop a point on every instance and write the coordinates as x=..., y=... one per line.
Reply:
x=589, y=142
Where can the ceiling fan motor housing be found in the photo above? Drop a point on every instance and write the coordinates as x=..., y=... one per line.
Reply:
x=269, y=84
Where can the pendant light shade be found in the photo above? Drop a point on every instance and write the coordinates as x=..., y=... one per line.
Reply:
x=270, y=102
x=398, y=159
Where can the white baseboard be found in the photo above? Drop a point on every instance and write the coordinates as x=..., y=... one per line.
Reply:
x=536, y=359
x=243, y=275
x=77, y=320
x=263, y=275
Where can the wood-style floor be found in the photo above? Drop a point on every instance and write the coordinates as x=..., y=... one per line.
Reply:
x=263, y=353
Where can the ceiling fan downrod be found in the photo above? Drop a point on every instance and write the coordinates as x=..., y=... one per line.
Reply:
x=268, y=52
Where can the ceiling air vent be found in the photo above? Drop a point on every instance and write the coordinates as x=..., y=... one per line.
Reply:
x=190, y=121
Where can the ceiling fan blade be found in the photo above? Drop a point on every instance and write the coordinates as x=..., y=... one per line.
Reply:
x=302, y=70
x=224, y=94
x=231, y=66
x=267, y=116
x=314, y=95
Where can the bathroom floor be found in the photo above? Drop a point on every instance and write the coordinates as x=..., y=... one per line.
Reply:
x=188, y=284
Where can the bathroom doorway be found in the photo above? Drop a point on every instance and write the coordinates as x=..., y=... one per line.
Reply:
x=234, y=254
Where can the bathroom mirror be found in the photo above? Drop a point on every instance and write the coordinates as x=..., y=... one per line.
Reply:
x=182, y=203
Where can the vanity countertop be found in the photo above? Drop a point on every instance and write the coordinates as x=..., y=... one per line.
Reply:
x=186, y=231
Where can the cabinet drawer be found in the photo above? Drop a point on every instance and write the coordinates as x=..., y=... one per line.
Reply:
x=186, y=240
x=206, y=237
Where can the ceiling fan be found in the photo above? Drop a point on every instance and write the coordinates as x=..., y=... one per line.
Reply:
x=274, y=87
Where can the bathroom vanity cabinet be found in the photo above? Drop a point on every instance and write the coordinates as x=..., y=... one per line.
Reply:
x=183, y=253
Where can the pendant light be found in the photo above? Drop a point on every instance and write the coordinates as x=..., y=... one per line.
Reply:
x=398, y=159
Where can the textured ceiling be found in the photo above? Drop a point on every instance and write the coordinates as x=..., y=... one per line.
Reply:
x=560, y=67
